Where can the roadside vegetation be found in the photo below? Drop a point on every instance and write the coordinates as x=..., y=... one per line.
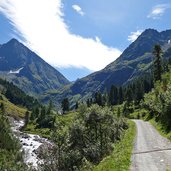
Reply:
x=120, y=159
x=161, y=129
x=155, y=106
x=158, y=105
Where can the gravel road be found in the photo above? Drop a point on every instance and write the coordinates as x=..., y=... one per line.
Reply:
x=152, y=152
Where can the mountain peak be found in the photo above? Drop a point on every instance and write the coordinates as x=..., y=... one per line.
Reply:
x=13, y=40
x=145, y=43
x=149, y=33
x=37, y=76
x=150, y=30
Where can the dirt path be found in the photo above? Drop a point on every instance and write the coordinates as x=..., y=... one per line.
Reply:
x=152, y=152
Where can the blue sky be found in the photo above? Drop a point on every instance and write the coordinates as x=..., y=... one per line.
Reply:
x=113, y=21
x=80, y=36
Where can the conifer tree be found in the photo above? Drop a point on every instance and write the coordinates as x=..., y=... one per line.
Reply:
x=65, y=105
x=157, y=62
x=50, y=106
x=129, y=95
x=120, y=95
x=27, y=118
x=76, y=105
x=88, y=103
x=98, y=98
x=113, y=95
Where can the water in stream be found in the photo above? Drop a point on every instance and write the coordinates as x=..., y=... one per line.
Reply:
x=30, y=144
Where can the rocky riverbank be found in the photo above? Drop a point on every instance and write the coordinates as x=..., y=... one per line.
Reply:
x=32, y=145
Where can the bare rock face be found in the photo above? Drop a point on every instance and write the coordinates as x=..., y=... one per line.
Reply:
x=43, y=149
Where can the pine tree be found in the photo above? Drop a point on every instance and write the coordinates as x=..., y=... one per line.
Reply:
x=157, y=62
x=113, y=95
x=65, y=105
x=98, y=98
x=88, y=103
x=129, y=95
x=32, y=115
x=2, y=108
x=76, y=105
x=147, y=86
x=50, y=106
x=120, y=95
x=118, y=112
x=27, y=118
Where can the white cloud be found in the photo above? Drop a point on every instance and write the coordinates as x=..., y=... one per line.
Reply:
x=41, y=24
x=158, y=10
x=97, y=39
x=78, y=9
x=134, y=35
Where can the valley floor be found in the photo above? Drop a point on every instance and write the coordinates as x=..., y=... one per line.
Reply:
x=151, y=152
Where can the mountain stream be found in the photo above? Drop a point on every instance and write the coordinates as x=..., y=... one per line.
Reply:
x=31, y=144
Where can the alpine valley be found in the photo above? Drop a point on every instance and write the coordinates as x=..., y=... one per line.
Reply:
x=34, y=76
x=134, y=62
x=50, y=124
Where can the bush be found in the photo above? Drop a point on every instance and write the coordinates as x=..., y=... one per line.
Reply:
x=90, y=139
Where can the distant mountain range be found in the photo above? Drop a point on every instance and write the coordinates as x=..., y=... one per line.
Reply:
x=33, y=75
x=133, y=62
x=27, y=70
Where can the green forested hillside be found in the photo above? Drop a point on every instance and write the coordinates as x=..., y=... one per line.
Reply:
x=16, y=95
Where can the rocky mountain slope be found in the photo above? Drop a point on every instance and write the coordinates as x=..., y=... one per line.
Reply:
x=133, y=62
x=27, y=70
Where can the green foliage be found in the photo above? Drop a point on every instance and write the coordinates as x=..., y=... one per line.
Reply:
x=11, y=109
x=26, y=119
x=113, y=95
x=120, y=95
x=157, y=62
x=158, y=102
x=87, y=141
x=6, y=134
x=41, y=120
x=161, y=128
x=120, y=159
x=10, y=155
x=65, y=105
x=17, y=96
x=139, y=113
x=98, y=99
x=43, y=117
x=132, y=92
